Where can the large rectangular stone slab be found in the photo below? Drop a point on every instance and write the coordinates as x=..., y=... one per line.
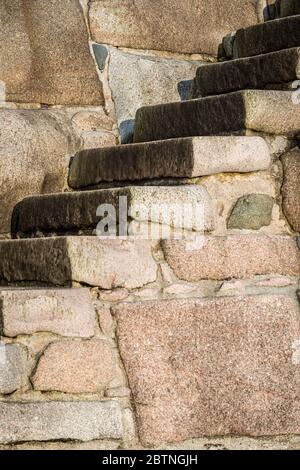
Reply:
x=267, y=37
x=77, y=212
x=255, y=72
x=234, y=256
x=44, y=53
x=87, y=260
x=82, y=421
x=66, y=312
x=234, y=113
x=212, y=367
x=174, y=158
x=194, y=26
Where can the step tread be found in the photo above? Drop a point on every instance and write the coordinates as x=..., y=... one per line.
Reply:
x=269, y=112
x=91, y=261
x=175, y=158
x=249, y=73
x=271, y=36
x=76, y=212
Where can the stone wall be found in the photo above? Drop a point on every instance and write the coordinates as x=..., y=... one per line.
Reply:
x=97, y=62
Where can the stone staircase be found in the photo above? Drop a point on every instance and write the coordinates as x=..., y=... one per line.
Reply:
x=115, y=342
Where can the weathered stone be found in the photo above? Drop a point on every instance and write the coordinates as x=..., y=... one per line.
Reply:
x=250, y=73
x=238, y=256
x=105, y=320
x=92, y=120
x=96, y=139
x=75, y=367
x=64, y=312
x=87, y=260
x=82, y=421
x=212, y=367
x=239, y=112
x=174, y=158
x=118, y=392
x=116, y=295
x=78, y=211
x=192, y=27
x=289, y=8
x=139, y=80
x=251, y=212
x=34, y=152
x=226, y=189
x=267, y=37
x=44, y=53
x=290, y=188
x=11, y=368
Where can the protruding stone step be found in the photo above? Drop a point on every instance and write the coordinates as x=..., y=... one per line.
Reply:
x=50, y=421
x=267, y=37
x=270, y=112
x=234, y=256
x=174, y=158
x=88, y=260
x=65, y=312
x=80, y=212
x=212, y=367
x=255, y=72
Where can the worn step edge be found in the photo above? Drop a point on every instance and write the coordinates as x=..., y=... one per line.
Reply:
x=250, y=73
x=175, y=158
x=267, y=37
x=91, y=261
x=81, y=212
x=264, y=111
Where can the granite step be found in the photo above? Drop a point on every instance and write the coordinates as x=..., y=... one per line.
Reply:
x=89, y=261
x=109, y=264
x=267, y=37
x=79, y=213
x=239, y=113
x=175, y=158
x=256, y=72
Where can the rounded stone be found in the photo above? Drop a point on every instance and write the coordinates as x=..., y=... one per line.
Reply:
x=251, y=212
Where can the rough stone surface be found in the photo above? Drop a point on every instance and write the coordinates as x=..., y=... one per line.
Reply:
x=88, y=260
x=289, y=8
x=11, y=368
x=267, y=37
x=138, y=80
x=251, y=212
x=291, y=189
x=174, y=158
x=238, y=112
x=75, y=367
x=212, y=367
x=82, y=421
x=192, y=27
x=250, y=73
x=44, y=53
x=78, y=210
x=34, y=152
x=64, y=312
x=238, y=256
